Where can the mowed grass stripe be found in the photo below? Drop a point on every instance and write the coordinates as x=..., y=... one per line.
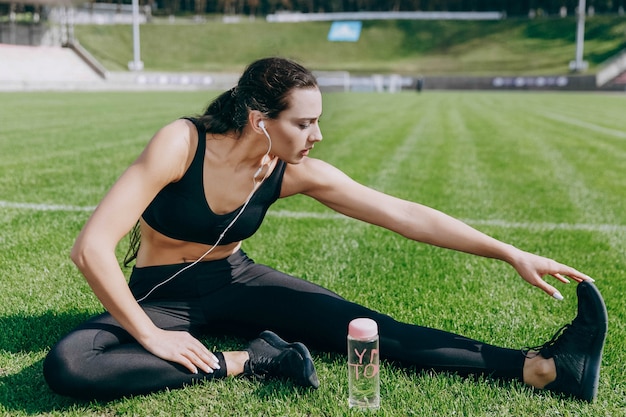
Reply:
x=598, y=156
x=588, y=201
x=511, y=156
x=408, y=150
x=507, y=161
x=373, y=135
x=581, y=184
x=570, y=159
x=469, y=158
x=413, y=177
x=423, y=165
x=469, y=190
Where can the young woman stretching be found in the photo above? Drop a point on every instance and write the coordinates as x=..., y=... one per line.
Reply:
x=201, y=187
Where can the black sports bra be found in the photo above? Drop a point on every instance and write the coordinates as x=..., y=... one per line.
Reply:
x=180, y=210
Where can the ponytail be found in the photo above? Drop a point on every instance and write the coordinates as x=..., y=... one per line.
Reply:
x=134, y=237
x=219, y=115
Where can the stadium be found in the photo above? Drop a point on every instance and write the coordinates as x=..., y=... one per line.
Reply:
x=61, y=37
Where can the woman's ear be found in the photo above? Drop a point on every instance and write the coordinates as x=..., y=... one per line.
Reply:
x=256, y=120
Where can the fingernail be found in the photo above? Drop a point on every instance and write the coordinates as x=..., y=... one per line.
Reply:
x=557, y=295
x=591, y=279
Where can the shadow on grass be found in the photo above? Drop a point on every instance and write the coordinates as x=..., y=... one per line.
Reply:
x=26, y=391
x=25, y=337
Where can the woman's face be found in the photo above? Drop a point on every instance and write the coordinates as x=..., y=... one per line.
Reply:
x=297, y=129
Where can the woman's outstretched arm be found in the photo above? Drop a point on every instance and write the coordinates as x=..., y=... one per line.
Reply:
x=420, y=223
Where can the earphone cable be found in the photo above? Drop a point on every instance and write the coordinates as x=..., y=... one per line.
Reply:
x=255, y=186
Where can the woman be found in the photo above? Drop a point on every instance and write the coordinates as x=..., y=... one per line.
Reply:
x=201, y=187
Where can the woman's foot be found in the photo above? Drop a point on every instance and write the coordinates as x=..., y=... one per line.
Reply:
x=576, y=349
x=272, y=357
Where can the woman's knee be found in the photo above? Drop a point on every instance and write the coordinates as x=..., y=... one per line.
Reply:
x=64, y=369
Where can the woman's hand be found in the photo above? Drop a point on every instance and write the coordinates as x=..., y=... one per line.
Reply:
x=533, y=268
x=182, y=348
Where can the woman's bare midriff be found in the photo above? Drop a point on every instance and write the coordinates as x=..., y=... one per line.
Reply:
x=158, y=249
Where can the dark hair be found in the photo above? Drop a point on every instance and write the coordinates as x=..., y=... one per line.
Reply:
x=134, y=238
x=263, y=86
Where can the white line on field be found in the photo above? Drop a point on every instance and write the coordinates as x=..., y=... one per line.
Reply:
x=44, y=207
x=590, y=126
x=539, y=226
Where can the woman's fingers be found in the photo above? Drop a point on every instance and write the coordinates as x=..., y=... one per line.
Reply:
x=184, y=349
x=197, y=355
x=201, y=357
x=564, y=270
x=561, y=278
x=548, y=289
x=533, y=268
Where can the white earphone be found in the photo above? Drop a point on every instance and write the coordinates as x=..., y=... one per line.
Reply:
x=262, y=127
x=269, y=148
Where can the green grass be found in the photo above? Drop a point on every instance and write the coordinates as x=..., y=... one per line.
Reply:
x=542, y=171
x=511, y=46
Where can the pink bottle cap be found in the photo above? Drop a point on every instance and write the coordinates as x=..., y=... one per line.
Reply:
x=362, y=329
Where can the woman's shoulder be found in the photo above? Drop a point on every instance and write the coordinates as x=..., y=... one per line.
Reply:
x=176, y=136
x=172, y=146
x=309, y=174
x=311, y=167
x=178, y=129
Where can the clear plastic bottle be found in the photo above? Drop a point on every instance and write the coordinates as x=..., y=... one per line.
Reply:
x=363, y=364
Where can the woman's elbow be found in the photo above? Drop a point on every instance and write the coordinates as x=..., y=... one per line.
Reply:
x=77, y=254
x=83, y=251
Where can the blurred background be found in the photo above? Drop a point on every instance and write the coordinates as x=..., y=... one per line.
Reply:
x=353, y=45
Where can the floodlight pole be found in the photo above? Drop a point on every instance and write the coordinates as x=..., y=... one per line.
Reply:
x=579, y=64
x=136, y=64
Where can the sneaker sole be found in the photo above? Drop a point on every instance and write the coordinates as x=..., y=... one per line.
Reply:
x=309, y=377
x=591, y=373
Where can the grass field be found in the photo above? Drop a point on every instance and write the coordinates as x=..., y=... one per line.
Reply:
x=542, y=171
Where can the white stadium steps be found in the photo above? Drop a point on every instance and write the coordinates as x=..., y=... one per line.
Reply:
x=55, y=68
x=44, y=66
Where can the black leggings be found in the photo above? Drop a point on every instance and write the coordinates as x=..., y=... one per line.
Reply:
x=236, y=296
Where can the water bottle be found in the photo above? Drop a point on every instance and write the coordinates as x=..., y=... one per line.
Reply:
x=363, y=364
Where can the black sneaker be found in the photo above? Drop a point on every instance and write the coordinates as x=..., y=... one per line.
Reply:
x=577, y=347
x=272, y=357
